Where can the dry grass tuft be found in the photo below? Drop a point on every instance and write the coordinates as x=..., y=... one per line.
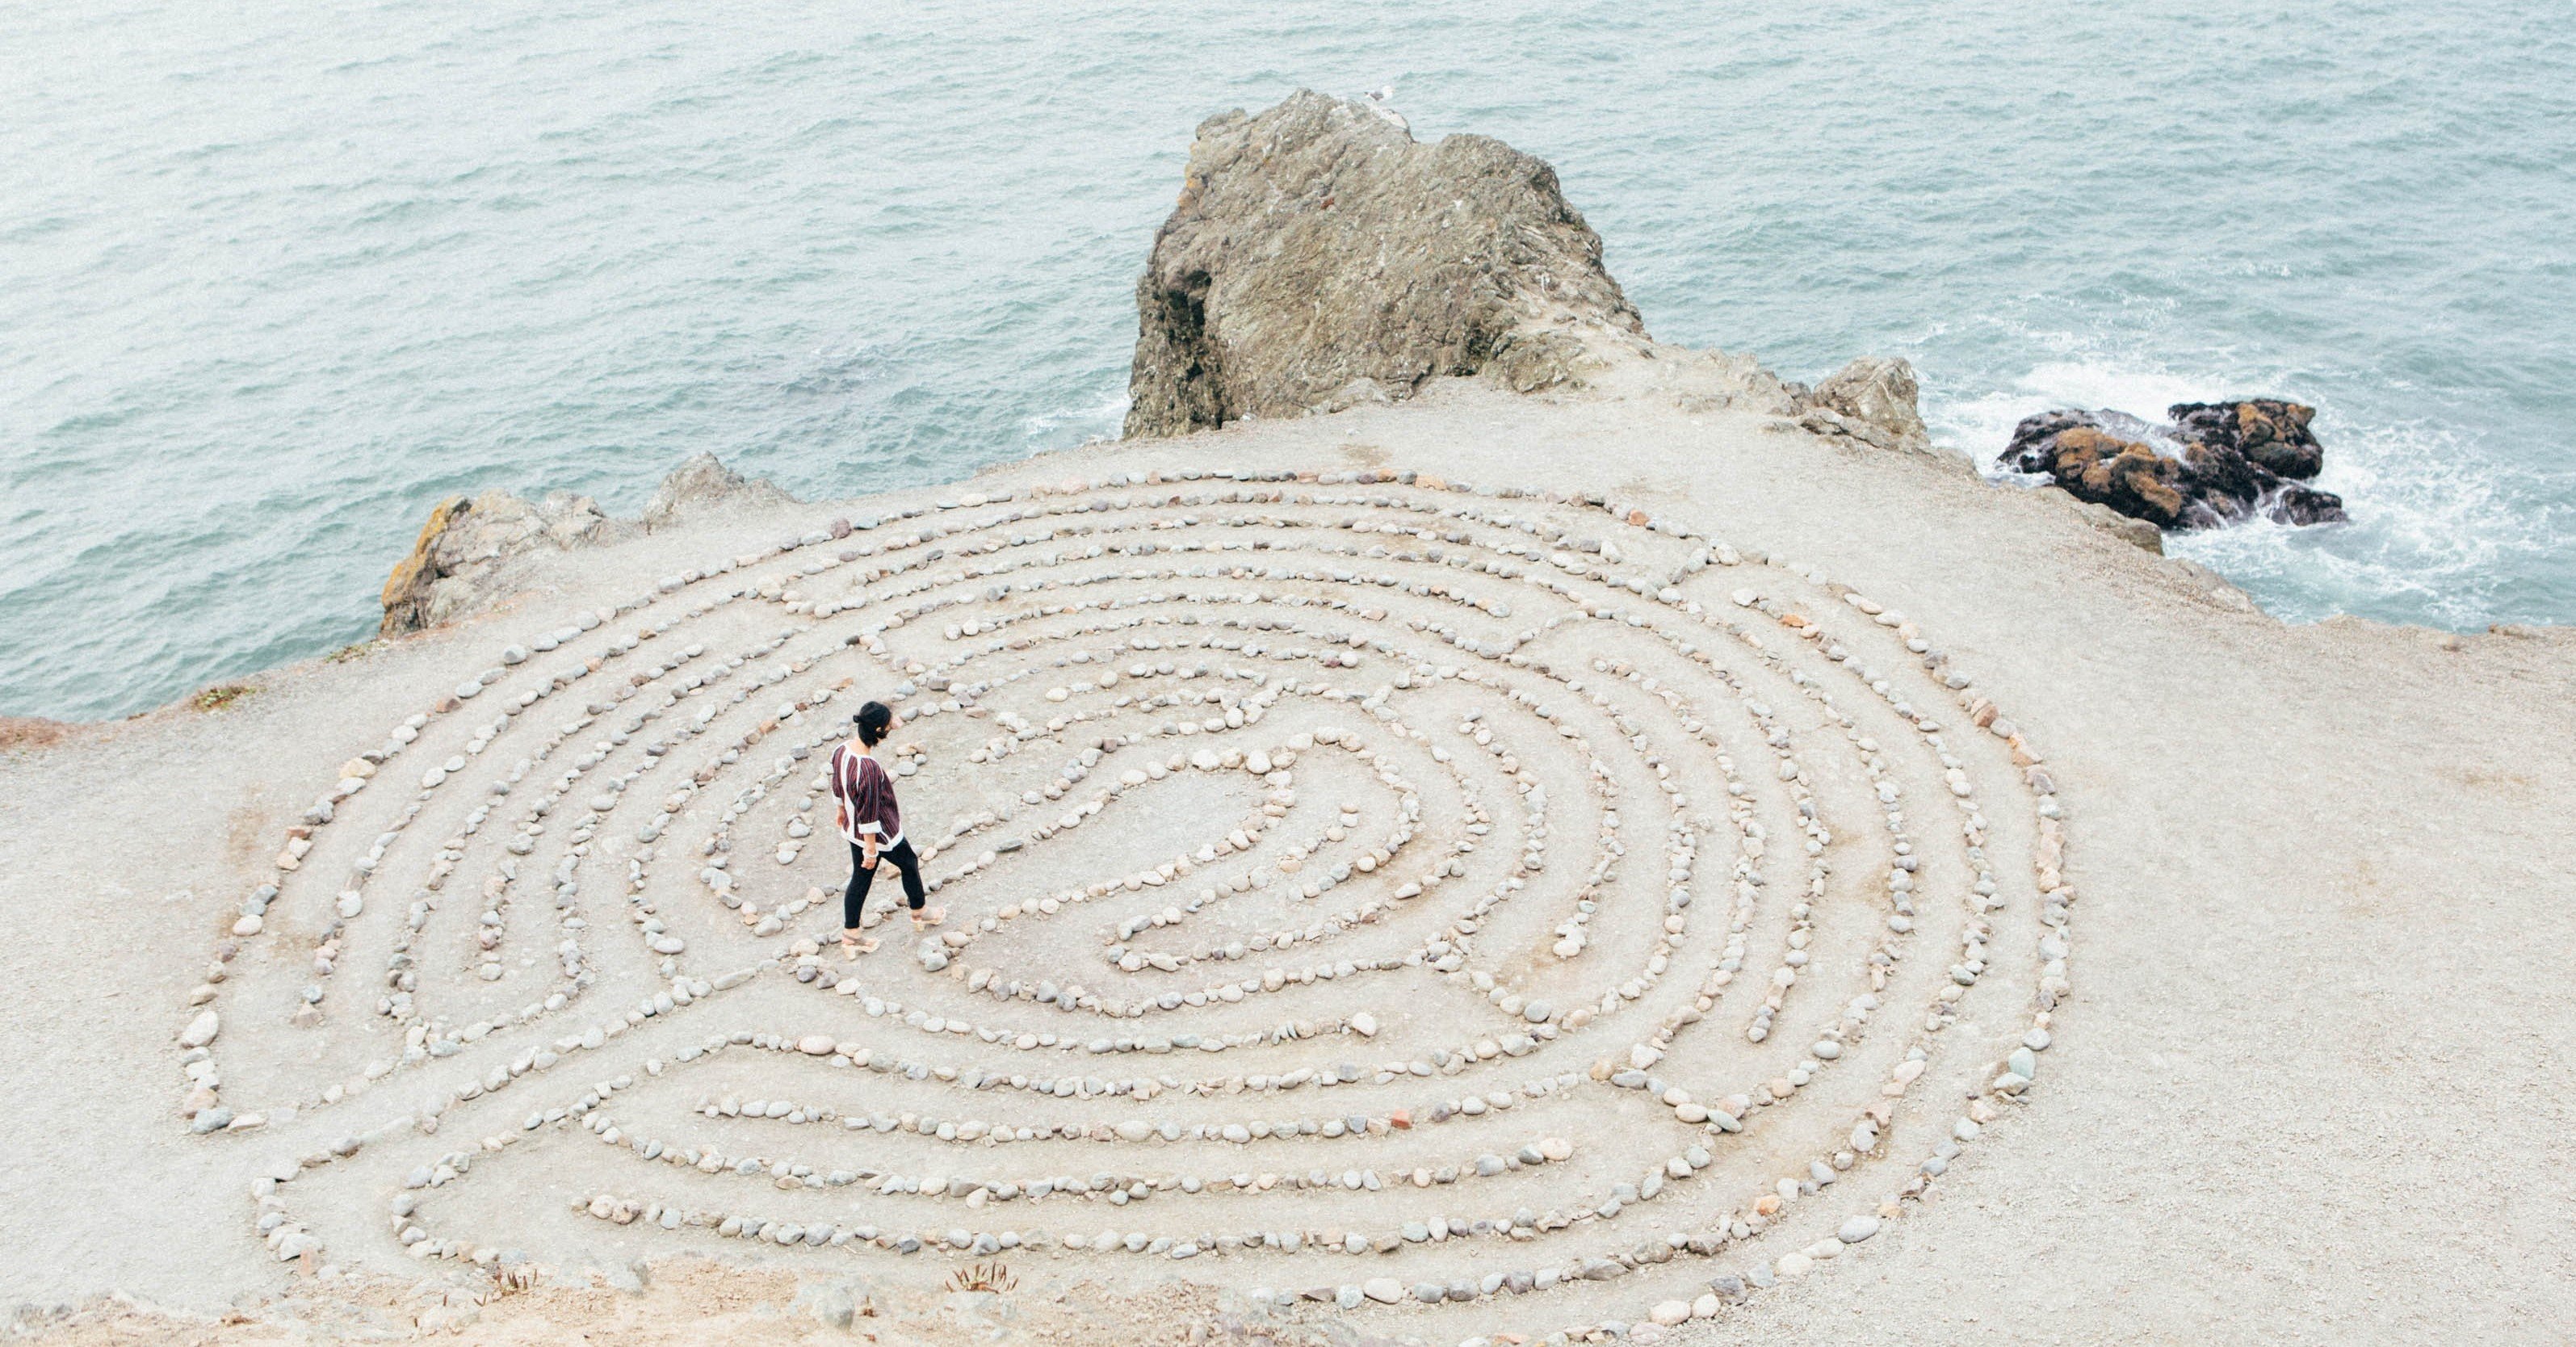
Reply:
x=994, y=1276
x=513, y=1278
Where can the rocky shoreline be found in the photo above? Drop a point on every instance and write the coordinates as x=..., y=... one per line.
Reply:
x=1319, y=259
x=2215, y=464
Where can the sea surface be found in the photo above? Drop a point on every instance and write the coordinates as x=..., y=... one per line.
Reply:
x=274, y=278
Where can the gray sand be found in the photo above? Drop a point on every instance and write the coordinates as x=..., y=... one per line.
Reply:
x=2308, y=1085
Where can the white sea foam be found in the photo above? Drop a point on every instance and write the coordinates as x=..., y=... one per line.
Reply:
x=1983, y=424
x=1097, y=421
x=2436, y=531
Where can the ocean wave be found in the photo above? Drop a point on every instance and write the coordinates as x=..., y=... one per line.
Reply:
x=2440, y=534
x=1099, y=420
x=1982, y=424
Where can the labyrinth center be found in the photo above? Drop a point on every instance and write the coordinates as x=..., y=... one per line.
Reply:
x=1465, y=908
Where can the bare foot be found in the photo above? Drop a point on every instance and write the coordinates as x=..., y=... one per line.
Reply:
x=928, y=917
x=852, y=946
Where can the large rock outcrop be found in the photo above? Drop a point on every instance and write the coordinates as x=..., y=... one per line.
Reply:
x=704, y=481
x=2216, y=464
x=1873, y=400
x=1321, y=257
x=473, y=549
x=469, y=542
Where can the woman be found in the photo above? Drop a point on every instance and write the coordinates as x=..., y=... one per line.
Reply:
x=873, y=826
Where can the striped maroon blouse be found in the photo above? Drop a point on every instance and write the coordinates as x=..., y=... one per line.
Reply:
x=866, y=796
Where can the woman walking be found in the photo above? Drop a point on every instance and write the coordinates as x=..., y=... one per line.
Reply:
x=873, y=826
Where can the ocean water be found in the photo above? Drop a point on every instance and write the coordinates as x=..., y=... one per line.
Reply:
x=275, y=278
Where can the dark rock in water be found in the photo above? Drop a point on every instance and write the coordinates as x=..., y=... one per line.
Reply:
x=2294, y=503
x=2219, y=463
x=1320, y=257
x=2271, y=434
x=2095, y=463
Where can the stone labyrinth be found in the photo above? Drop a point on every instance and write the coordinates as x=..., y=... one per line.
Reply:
x=1465, y=908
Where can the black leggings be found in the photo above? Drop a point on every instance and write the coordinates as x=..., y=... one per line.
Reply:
x=900, y=855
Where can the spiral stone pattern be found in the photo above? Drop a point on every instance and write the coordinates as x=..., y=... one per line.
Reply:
x=1460, y=907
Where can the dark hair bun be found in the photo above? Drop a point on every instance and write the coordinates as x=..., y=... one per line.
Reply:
x=873, y=720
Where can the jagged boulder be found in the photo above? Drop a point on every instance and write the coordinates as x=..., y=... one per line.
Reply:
x=474, y=549
x=704, y=481
x=1319, y=256
x=1873, y=400
x=455, y=563
x=2196, y=473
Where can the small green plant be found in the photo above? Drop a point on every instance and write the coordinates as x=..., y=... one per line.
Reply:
x=220, y=696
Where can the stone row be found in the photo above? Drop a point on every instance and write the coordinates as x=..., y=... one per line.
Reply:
x=1424, y=511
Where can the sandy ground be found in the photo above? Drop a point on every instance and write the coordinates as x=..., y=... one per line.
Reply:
x=2310, y=1085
